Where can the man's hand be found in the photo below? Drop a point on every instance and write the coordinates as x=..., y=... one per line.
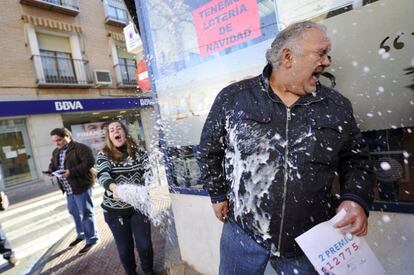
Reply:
x=221, y=209
x=47, y=173
x=65, y=173
x=355, y=220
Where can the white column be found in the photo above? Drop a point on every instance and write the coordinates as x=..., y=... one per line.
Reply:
x=40, y=140
x=115, y=60
x=34, y=48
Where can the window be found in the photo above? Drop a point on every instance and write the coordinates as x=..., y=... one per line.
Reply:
x=128, y=67
x=57, y=59
x=392, y=151
x=117, y=13
x=190, y=65
x=16, y=164
x=125, y=65
x=184, y=165
x=57, y=67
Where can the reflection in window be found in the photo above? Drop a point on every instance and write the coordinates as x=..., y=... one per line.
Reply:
x=184, y=165
x=392, y=151
x=173, y=21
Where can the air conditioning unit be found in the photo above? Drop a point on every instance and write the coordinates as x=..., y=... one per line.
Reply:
x=102, y=77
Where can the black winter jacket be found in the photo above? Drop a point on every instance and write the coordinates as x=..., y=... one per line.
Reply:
x=80, y=161
x=280, y=163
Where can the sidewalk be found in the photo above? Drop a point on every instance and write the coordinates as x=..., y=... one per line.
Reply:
x=104, y=259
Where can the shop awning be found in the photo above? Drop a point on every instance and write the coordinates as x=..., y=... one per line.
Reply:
x=51, y=24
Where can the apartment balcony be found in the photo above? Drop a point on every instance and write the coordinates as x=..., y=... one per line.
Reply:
x=52, y=71
x=125, y=74
x=116, y=16
x=69, y=7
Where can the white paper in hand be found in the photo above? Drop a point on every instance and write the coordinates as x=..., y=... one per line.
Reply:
x=332, y=252
x=58, y=173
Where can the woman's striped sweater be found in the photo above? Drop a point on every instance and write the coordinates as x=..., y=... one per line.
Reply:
x=128, y=170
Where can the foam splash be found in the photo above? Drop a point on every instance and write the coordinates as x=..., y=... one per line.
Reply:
x=152, y=199
x=248, y=157
x=255, y=164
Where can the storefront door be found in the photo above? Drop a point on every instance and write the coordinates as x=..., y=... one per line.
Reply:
x=17, y=164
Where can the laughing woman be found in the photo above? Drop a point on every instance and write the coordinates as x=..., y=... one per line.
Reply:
x=122, y=161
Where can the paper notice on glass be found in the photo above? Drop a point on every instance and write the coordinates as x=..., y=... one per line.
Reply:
x=332, y=252
x=11, y=154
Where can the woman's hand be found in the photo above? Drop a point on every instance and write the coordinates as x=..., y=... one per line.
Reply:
x=112, y=188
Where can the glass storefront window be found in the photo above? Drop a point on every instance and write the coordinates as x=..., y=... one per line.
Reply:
x=193, y=58
x=15, y=153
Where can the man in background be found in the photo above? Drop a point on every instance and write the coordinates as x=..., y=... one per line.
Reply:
x=72, y=163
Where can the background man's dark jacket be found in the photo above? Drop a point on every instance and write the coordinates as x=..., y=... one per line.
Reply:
x=280, y=163
x=80, y=161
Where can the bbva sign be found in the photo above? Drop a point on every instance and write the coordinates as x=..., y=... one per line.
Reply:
x=68, y=105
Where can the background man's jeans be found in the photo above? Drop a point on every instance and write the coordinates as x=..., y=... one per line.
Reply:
x=80, y=206
x=240, y=254
x=126, y=229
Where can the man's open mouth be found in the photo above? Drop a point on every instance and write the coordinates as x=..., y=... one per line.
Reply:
x=316, y=74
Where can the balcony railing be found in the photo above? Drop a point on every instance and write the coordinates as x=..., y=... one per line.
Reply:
x=126, y=75
x=116, y=16
x=52, y=71
x=70, y=7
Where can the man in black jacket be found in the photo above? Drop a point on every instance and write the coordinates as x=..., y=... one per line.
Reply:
x=269, y=152
x=72, y=163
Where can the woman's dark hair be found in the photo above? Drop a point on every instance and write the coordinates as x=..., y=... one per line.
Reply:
x=112, y=151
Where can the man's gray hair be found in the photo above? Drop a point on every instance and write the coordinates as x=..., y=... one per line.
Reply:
x=286, y=39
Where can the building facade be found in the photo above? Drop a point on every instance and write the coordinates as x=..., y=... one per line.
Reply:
x=63, y=63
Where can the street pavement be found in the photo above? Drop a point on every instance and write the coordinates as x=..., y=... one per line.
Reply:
x=40, y=230
x=34, y=225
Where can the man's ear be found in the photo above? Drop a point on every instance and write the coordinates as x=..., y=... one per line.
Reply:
x=286, y=59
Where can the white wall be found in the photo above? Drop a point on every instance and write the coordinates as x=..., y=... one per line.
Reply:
x=198, y=232
x=391, y=237
x=376, y=84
